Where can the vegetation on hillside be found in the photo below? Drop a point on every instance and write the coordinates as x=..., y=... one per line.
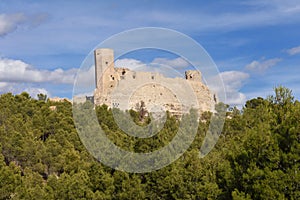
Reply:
x=256, y=157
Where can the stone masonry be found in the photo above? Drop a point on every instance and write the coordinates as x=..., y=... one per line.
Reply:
x=126, y=89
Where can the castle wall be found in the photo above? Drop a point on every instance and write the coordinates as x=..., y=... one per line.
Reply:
x=126, y=89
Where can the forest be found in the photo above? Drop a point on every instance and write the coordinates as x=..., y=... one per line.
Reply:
x=257, y=155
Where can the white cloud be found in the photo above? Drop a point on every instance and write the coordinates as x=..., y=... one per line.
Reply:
x=19, y=71
x=17, y=88
x=233, y=82
x=237, y=99
x=33, y=91
x=174, y=63
x=293, y=51
x=158, y=65
x=134, y=64
x=86, y=77
x=129, y=63
x=10, y=22
x=262, y=65
x=17, y=76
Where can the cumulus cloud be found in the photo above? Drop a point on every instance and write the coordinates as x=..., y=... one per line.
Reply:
x=174, y=63
x=129, y=63
x=10, y=22
x=17, y=76
x=167, y=67
x=19, y=71
x=294, y=50
x=86, y=77
x=233, y=82
x=34, y=91
x=134, y=64
x=17, y=88
x=262, y=65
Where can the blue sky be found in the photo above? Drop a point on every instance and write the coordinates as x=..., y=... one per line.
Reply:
x=255, y=43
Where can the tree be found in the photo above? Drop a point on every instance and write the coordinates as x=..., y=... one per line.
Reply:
x=282, y=96
x=256, y=156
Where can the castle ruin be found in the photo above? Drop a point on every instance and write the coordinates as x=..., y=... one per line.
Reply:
x=126, y=89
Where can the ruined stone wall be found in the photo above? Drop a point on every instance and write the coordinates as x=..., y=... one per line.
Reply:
x=126, y=89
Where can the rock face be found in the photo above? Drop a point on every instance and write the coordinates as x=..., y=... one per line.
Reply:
x=126, y=89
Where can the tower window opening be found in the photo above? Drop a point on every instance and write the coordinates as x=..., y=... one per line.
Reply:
x=106, y=63
x=123, y=72
x=152, y=77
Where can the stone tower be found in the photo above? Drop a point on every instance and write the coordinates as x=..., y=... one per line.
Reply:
x=104, y=73
x=104, y=60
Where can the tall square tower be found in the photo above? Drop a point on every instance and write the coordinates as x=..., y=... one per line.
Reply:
x=104, y=63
